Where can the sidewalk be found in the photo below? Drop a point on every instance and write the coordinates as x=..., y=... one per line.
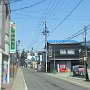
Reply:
x=19, y=82
x=7, y=86
x=71, y=79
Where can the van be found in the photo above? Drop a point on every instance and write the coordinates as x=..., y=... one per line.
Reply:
x=78, y=70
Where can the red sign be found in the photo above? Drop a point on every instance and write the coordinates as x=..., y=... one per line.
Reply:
x=62, y=68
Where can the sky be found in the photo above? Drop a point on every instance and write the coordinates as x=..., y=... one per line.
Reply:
x=61, y=16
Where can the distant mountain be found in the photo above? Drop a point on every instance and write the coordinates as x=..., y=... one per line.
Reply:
x=87, y=44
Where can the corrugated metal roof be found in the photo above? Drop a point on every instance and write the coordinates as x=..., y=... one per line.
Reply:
x=61, y=41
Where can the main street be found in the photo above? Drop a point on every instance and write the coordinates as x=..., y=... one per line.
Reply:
x=40, y=81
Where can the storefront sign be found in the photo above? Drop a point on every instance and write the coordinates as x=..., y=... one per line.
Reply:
x=12, y=37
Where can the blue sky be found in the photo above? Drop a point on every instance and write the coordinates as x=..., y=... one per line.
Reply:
x=30, y=21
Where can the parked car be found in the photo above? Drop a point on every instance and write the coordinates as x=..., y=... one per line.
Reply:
x=78, y=70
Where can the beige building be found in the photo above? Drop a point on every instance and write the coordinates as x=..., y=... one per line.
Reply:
x=4, y=38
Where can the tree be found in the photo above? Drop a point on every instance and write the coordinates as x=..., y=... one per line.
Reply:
x=23, y=54
x=22, y=59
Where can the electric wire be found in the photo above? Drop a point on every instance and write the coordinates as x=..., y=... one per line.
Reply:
x=77, y=34
x=50, y=8
x=59, y=2
x=34, y=41
x=80, y=31
x=56, y=6
x=66, y=17
x=46, y=14
x=46, y=10
x=29, y=6
x=40, y=21
x=14, y=1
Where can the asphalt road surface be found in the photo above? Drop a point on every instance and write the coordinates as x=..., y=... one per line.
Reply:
x=40, y=81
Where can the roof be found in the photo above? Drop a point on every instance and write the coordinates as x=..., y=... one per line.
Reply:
x=61, y=41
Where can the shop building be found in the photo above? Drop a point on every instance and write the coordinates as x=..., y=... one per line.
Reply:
x=62, y=52
x=4, y=41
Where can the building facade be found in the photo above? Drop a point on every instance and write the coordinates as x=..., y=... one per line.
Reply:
x=82, y=53
x=4, y=40
x=62, y=52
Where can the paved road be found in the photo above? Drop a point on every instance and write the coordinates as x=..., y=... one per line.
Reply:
x=40, y=81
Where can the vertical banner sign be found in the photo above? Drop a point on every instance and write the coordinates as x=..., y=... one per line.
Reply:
x=12, y=37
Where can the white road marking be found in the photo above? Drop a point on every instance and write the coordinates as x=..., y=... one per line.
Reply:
x=25, y=83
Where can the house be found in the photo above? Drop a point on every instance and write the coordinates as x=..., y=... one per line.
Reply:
x=62, y=52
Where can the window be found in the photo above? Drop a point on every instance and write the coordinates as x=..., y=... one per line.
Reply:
x=71, y=51
x=67, y=51
x=50, y=51
x=62, y=51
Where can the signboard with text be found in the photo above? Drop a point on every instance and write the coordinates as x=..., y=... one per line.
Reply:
x=12, y=37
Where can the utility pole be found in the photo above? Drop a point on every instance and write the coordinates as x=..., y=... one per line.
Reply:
x=54, y=62
x=45, y=33
x=85, y=58
x=17, y=58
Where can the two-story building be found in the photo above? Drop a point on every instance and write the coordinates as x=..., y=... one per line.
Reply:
x=62, y=52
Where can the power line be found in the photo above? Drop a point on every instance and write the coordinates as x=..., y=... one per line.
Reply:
x=66, y=17
x=14, y=1
x=74, y=34
x=77, y=33
x=56, y=5
x=40, y=20
x=54, y=8
x=50, y=8
x=29, y=6
x=45, y=10
x=8, y=2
